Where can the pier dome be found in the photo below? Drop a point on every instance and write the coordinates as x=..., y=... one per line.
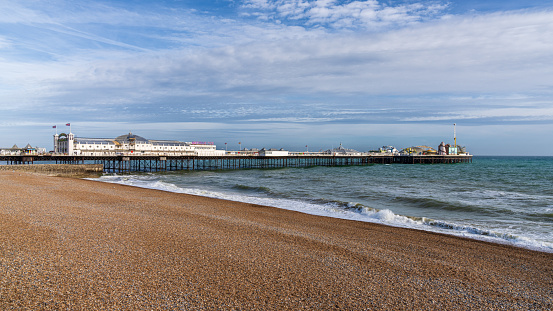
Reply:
x=130, y=138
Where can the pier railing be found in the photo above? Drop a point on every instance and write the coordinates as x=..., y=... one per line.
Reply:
x=155, y=163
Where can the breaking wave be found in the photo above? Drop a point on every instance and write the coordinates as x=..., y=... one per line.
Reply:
x=336, y=209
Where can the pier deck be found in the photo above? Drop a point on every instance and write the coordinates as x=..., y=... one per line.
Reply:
x=155, y=163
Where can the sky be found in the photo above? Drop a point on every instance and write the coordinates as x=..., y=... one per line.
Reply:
x=281, y=73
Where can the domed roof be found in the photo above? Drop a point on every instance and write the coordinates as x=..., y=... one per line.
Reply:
x=130, y=137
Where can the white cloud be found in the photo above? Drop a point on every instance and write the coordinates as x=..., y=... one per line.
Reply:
x=58, y=12
x=296, y=120
x=504, y=114
x=204, y=69
x=366, y=14
x=17, y=12
x=5, y=43
x=503, y=53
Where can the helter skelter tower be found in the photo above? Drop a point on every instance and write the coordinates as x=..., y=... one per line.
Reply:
x=454, y=135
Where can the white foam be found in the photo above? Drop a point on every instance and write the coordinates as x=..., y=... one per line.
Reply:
x=381, y=216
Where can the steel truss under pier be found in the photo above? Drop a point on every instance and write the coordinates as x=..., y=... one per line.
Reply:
x=156, y=163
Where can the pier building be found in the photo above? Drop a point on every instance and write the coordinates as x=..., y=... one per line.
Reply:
x=130, y=143
x=10, y=151
x=273, y=152
x=27, y=150
x=343, y=151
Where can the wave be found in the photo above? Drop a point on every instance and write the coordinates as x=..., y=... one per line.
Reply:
x=339, y=209
x=499, y=204
x=446, y=205
x=459, y=205
x=252, y=189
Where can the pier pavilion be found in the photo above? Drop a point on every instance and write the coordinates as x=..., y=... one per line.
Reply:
x=69, y=144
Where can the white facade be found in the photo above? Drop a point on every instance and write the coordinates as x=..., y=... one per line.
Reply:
x=27, y=150
x=273, y=153
x=130, y=144
x=10, y=151
x=206, y=150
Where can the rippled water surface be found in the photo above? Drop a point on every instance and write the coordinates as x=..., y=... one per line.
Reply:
x=503, y=199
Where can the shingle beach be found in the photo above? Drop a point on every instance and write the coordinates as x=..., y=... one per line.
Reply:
x=72, y=244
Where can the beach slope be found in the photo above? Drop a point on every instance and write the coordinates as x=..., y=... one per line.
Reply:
x=79, y=244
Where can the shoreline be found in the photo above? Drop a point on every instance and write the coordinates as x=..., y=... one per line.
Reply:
x=74, y=243
x=485, y=236
x=483, y=239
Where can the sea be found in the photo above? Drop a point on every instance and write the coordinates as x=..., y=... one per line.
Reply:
x=505, y=200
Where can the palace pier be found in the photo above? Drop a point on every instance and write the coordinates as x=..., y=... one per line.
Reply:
x=155, y=163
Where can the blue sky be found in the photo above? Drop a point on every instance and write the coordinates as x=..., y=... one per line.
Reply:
x=281, y=73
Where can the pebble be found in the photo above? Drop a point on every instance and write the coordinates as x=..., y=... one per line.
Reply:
x=77, y=244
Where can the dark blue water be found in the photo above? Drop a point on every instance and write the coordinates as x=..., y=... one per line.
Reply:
x=502, y=199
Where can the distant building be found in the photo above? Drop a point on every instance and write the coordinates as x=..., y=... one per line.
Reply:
x=442, y=149
x=10, y=151
x=245, y=152
x=27, y=150
x=273, y=153
x=343, y=151
x=130, y=144
x=388, y=149
x=419, y=150
x=447, y=149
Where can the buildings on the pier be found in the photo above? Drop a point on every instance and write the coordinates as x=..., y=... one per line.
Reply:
x=447, y=149
x=273, y=152
x=130, y=144
x=386, y=150
x=27, y=150
x=341, y=151
x=443, y=149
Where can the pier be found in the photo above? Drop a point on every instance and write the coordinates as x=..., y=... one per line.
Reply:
x=156, y=163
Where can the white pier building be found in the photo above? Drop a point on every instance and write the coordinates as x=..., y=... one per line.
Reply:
x=130, y=144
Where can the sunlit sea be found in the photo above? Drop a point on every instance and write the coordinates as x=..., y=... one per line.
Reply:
x=500, y=199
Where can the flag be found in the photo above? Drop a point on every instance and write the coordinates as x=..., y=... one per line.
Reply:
x=54, y=127
x=68, y=124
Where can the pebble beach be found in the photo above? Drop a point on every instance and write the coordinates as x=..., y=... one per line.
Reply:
x=78, y=244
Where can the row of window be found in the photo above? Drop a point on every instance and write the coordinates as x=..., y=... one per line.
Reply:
x=126, y=147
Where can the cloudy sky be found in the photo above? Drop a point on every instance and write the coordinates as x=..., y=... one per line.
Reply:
x=281, y=73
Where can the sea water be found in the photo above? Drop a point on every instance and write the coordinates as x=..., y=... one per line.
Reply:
x=499, y=199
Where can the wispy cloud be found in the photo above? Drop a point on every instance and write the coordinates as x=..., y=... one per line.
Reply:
x=501, y=114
